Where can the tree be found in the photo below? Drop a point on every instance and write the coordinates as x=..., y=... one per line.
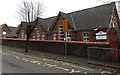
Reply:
x=28, y=12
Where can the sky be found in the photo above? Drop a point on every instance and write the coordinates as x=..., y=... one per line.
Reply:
x=9, y=8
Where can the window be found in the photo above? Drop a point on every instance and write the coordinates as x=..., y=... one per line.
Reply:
x=43, y=36
x=61, y=33
x=25, y=36
x=33, y=37
x=38, y=35
x=86, y=37
x=22, y=35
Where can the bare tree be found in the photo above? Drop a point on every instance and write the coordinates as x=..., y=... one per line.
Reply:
x=29, y=11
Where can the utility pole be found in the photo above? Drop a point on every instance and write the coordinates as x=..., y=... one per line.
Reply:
x=65, y=29
x=66, y=52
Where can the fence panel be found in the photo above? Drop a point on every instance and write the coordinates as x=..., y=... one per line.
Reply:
x=104, y=56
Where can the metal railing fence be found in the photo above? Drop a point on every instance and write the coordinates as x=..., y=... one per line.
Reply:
x=104, y=56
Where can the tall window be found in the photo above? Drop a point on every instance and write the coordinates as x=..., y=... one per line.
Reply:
x=85, y=36
x=61, y=33
x=43, y=36
x=22, y=35
x=33, y=37
x=38, y=35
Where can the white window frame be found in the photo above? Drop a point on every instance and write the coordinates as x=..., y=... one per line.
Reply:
x=38, y=35
x=86, y=37
x=43, y=36
x=22, y=35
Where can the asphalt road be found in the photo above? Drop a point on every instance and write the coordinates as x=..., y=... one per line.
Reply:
x=13, y=62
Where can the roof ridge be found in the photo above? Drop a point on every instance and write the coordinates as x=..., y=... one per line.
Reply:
x=91, y=8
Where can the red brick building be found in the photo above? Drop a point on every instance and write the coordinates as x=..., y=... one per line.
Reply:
x=5, y=30
x=88, y=25
x=97, y=24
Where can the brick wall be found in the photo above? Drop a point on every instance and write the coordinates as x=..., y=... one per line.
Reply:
x=74, y=48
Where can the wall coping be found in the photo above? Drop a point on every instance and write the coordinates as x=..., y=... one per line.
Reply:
x=78, y=42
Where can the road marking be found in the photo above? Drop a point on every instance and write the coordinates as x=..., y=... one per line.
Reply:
x=38, y=63
x=85, y=73
x=105, y=72
x=35, y=62
x=73, y=71
x=25, y=59
x=83, y=68
x=17, y=57
x=49, y=65
x=62, y=68
x=59, y=62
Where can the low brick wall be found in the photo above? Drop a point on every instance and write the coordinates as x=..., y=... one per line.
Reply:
x=73, y=48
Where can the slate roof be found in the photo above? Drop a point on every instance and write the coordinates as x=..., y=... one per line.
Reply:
x=12, y=28
x=88, y=19
x=6, y=26
x=46, y=23
x=13, y=34
x=16, y=31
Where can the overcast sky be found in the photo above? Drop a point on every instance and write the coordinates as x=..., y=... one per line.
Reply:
x=8, y=8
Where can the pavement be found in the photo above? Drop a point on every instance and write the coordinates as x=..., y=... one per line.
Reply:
x=70, y=59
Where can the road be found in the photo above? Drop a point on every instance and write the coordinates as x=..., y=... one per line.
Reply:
x=14, y=62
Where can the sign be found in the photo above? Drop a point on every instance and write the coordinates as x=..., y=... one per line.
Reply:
x=101, y=35
x=54, y=38
x=65, y=25
x=4, y=33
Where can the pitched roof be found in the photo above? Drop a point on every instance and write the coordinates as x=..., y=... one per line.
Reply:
x=6, y=26
x=96, y=17
x=16, y=31
x=88, y=19
x=46, y=23
x=13, y=34
x=12, y=28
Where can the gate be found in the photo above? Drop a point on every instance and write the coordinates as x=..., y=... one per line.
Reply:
x=104, y=56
